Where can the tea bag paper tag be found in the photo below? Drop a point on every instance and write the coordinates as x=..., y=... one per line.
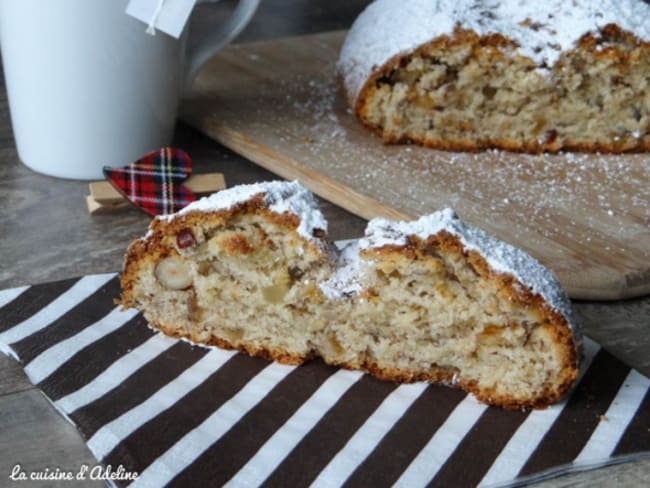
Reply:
x=169, y=16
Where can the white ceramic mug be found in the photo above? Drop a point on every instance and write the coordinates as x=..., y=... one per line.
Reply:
x=89, y=87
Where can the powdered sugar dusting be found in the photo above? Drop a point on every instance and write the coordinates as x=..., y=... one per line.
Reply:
x=345, y=281
x=542, y=30
x=279, y=196
x=534, y=200
x=500, y=256
x=585, y=216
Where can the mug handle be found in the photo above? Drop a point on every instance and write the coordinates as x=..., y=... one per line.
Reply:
x=199, y=52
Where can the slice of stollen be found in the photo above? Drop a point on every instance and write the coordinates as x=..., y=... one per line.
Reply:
x=435, y=299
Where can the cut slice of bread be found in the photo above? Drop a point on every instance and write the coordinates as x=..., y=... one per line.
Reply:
x=523, y=76
x=434, y=299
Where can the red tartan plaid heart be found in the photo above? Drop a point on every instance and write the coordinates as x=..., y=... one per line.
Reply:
x=154, y=182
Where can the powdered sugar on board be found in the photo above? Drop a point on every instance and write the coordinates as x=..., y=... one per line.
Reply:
x=531, y=190
x=585, y=216
x=279, y=196
x=541, y=29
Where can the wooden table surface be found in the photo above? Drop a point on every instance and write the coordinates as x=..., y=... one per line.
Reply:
x=46, y=234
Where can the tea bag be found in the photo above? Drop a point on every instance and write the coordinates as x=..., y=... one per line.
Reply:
x=169, y=16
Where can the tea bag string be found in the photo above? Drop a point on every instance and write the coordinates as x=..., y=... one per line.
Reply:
x=151, y=28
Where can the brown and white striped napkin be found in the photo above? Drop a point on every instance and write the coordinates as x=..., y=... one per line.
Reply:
x=184, y=415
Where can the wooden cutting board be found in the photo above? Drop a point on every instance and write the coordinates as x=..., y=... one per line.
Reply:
x=587, y=217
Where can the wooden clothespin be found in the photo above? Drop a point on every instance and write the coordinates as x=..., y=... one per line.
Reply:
x=103, y=198
x=158, y=183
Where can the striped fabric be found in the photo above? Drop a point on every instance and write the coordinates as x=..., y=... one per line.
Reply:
x=183, y=415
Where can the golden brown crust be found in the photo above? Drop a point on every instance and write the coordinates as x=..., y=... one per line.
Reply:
x=271, y=354
x=465, y=145
x=143, y=253
x=601, y=47
x=556, y=327
x=151, y=248
x=442, y=376
x=435, y=375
